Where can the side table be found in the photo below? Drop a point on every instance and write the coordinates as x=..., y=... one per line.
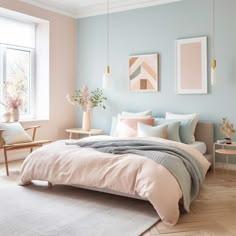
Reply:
x=79, y=131
x=224, y=150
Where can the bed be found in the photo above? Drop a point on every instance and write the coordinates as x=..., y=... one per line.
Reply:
x=205, y=133
x=69, y=162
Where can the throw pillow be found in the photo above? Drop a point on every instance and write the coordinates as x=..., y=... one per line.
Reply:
x=127, y=127
x=136, y=114
x=172, y=129
x=114, y=122
x=149, y=131
x=193, y=116
x=185, y=131
x=14, y=133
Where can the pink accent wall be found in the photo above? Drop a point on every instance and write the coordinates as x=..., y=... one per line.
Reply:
x=191, y=66
x=62, y=68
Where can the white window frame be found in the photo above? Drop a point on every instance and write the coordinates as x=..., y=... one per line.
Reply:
x=32, y=89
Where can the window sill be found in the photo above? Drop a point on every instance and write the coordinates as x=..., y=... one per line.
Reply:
x=33, y=120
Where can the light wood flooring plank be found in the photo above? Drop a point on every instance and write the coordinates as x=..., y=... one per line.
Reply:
x=213, y=213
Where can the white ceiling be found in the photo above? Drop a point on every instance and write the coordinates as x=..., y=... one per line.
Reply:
x=84, y=8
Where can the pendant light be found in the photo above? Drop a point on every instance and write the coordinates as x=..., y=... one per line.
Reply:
x=213, y=63
x=106, y=80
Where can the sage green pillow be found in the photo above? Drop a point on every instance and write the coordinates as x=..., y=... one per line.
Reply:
x=172, y=129
x=114, y=122
x=185, y=130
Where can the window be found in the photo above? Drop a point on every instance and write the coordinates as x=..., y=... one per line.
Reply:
x=17, y=53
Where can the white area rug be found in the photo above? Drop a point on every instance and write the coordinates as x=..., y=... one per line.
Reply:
x=68, y=211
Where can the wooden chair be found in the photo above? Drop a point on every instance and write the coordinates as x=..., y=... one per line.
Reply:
x=31, y=145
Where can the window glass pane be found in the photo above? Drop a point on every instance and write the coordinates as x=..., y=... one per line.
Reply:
x=17, y=83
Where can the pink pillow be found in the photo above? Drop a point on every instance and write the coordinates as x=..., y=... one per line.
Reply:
x=128, y=127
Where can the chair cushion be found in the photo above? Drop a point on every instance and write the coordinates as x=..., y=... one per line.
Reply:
x=14, y=133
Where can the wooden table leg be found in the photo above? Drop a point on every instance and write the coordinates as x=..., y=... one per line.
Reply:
x=70, y=135
x=6, y=161
x=214, y=159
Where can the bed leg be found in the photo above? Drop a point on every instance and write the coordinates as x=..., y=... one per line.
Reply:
x=49, y=185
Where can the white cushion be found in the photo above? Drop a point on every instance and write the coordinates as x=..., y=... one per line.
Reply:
x=193, y=116
x=136, y=114
x=14, y=133
x=159, y=131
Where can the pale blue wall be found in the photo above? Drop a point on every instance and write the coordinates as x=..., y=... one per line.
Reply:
x=151, y=30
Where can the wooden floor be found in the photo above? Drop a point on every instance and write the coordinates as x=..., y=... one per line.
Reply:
x=213, y=213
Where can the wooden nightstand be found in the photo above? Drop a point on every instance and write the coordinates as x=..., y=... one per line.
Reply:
x=79, y=131
x=224, y=150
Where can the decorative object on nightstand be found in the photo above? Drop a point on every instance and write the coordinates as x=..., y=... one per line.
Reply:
x=228, y=130
x=79, y=131
x=220, y=141
x=87, y=102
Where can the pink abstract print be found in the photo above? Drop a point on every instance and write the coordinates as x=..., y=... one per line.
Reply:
x=191, y=66
x=143, y=73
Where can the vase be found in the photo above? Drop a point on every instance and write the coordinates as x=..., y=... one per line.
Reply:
x=228, y=140
x=86, y=124
x=6, y=117
x=15, y=114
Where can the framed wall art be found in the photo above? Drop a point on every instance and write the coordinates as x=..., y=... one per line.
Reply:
x=191, y=66
x=143, y=73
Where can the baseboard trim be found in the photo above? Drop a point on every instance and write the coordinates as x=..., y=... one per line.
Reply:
x=15, y=157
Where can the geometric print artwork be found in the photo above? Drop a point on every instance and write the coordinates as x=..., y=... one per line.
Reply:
x=143, y=72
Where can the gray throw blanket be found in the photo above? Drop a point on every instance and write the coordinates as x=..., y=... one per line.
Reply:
x=183, y=166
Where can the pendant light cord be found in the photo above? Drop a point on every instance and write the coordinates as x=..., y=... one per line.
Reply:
x=213, y=28
x=108, y=23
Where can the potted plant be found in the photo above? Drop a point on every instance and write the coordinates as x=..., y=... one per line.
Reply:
x=87, y=101
x=14, y=98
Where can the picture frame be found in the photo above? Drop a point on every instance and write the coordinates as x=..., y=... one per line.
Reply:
x=191, y=66
x=143, y=73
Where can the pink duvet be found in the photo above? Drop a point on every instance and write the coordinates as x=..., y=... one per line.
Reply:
x=59, y=163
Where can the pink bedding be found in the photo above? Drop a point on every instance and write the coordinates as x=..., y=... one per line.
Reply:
x=59, y=163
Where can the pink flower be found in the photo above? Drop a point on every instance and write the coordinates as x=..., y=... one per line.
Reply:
x=13, y=102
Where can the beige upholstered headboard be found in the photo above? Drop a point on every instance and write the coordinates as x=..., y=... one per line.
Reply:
x=205, y=132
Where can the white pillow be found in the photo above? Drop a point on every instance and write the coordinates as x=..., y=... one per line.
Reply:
x=193, y=116
x=14, y=133
x=136, y=114
x=159, y=131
